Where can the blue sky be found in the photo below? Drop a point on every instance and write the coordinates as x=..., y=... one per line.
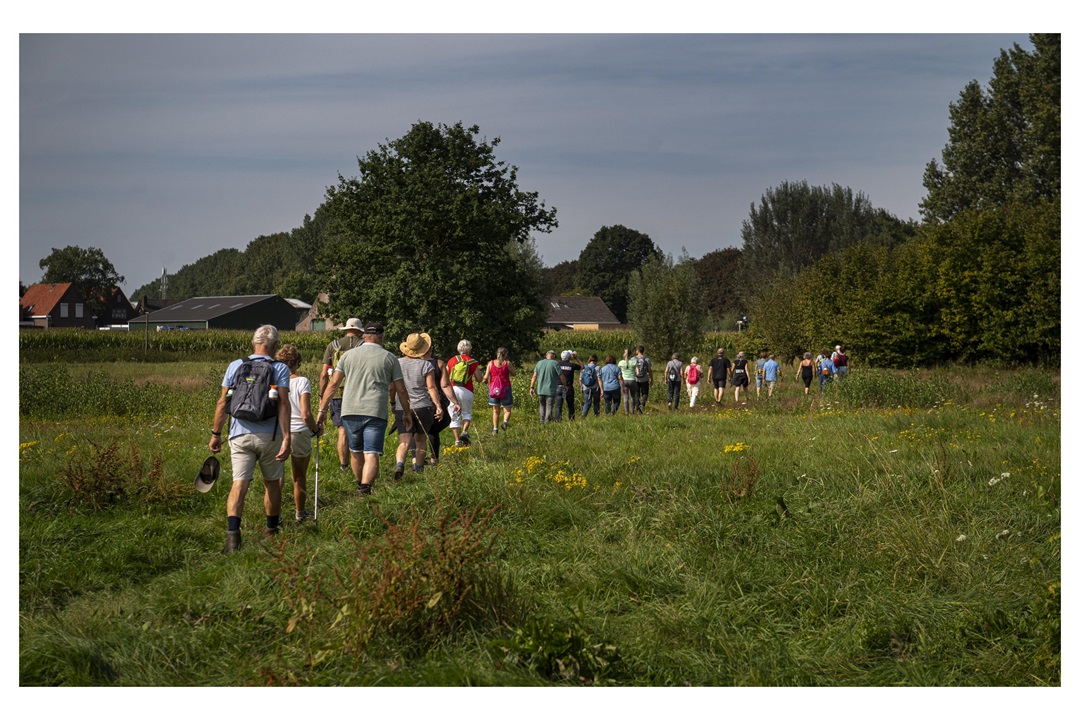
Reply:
x=161, y=149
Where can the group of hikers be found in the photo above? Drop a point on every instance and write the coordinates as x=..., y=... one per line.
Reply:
x=272, y=415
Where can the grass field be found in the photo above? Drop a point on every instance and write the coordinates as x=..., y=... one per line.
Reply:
x=903, y=531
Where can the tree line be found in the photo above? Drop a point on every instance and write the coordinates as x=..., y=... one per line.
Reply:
x=434, y=229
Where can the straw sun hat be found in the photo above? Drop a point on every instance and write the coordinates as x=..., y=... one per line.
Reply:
x=416, y=345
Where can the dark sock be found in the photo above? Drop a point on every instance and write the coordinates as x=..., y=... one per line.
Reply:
x=234, y=523
x=272, y=521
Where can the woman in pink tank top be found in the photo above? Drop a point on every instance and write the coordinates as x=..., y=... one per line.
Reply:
x=497, y=376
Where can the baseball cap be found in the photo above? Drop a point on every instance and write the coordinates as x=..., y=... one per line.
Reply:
x=373, y=328
x=567, y=354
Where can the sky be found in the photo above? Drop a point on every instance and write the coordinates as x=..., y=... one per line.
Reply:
x=162, y=149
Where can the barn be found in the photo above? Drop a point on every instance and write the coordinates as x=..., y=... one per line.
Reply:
x=237, y=312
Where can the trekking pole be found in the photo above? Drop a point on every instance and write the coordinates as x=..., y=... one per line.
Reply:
x=318, y=452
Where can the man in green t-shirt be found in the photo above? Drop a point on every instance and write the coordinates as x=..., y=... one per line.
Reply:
x=368, y=371
x=545, y=382
x=334, y=350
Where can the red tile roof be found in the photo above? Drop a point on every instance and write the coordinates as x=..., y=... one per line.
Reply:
x=40, y=299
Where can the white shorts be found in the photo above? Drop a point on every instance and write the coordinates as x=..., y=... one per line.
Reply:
x=465, y=400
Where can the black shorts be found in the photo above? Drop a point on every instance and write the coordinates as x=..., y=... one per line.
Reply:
x=718, y=383
x=740, y=380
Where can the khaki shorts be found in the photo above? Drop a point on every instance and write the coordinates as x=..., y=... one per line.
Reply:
x=250, y=449
x=300, y=443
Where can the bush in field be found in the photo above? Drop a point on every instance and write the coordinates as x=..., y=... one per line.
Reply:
x=424, y=577
x=103, y=475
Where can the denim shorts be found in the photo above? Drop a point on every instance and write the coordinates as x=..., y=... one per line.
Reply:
x=365, y=433
x=506, y=400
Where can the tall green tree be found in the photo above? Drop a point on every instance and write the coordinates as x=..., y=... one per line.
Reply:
x=665, y=305
x=562, y=279
x=606, y=262
x=87, y=269
x=1004, y=142
x=435, y=235
x=795, y=224
x=720, y=294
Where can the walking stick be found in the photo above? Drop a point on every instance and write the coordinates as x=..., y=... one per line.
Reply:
x=318, y=452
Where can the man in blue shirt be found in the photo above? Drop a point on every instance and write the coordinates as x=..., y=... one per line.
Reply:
x=254, y=442
x=771, y=372
x=826, y=372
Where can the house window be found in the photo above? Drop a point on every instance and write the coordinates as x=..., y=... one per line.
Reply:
x=78, y=310
x=63, y=310
x=119, y=314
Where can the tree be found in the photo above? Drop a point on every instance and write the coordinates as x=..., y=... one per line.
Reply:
x=435, y=235
x=1004, y=143
x=606, y=262
x=665, y=305
x=796, y=224
x=717, y=272
x=562, y=279
x=93, y=276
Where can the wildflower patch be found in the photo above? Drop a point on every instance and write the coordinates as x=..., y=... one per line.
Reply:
x=537, y=470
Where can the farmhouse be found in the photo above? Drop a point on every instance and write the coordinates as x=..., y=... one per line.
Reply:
x=47, y=305
x=580, y=313
x=240, y=312
x=61, y=305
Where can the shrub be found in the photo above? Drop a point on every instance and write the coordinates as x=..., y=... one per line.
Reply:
x=109, y=474
x=422, y=578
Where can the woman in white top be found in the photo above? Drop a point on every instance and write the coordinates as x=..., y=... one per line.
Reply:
x=302, y=427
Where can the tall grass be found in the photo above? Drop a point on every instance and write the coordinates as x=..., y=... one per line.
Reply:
x=902, y=531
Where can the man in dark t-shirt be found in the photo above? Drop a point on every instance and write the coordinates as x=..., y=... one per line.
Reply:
x=568, y=365
x=719, y=369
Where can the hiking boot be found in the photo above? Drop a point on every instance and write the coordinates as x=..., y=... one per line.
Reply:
x=232, y=541
x=465, y=441
x=345, y=467
x=302, y=516
x=399, y=472
x=363, y=490
x=505, y=425
x=458, y=443
x=494, y=432
x=269, y=532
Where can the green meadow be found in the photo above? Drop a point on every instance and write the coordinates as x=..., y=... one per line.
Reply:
x=902, y=529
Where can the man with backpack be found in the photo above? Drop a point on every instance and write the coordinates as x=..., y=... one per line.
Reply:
x=464, y=370
x=590, y=388
x=643, y=376
x=334, y=350
x=255, y=392
x=841, y=361
x=826, y=370
x=674, y=371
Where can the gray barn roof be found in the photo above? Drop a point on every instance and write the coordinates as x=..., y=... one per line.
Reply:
x=201, y=309
x=579, y=310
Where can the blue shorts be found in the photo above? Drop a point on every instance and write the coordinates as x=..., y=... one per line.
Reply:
x=365, y=433
x=506, y=401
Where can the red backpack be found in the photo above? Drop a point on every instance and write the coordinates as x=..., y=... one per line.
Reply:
x=692, y=374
